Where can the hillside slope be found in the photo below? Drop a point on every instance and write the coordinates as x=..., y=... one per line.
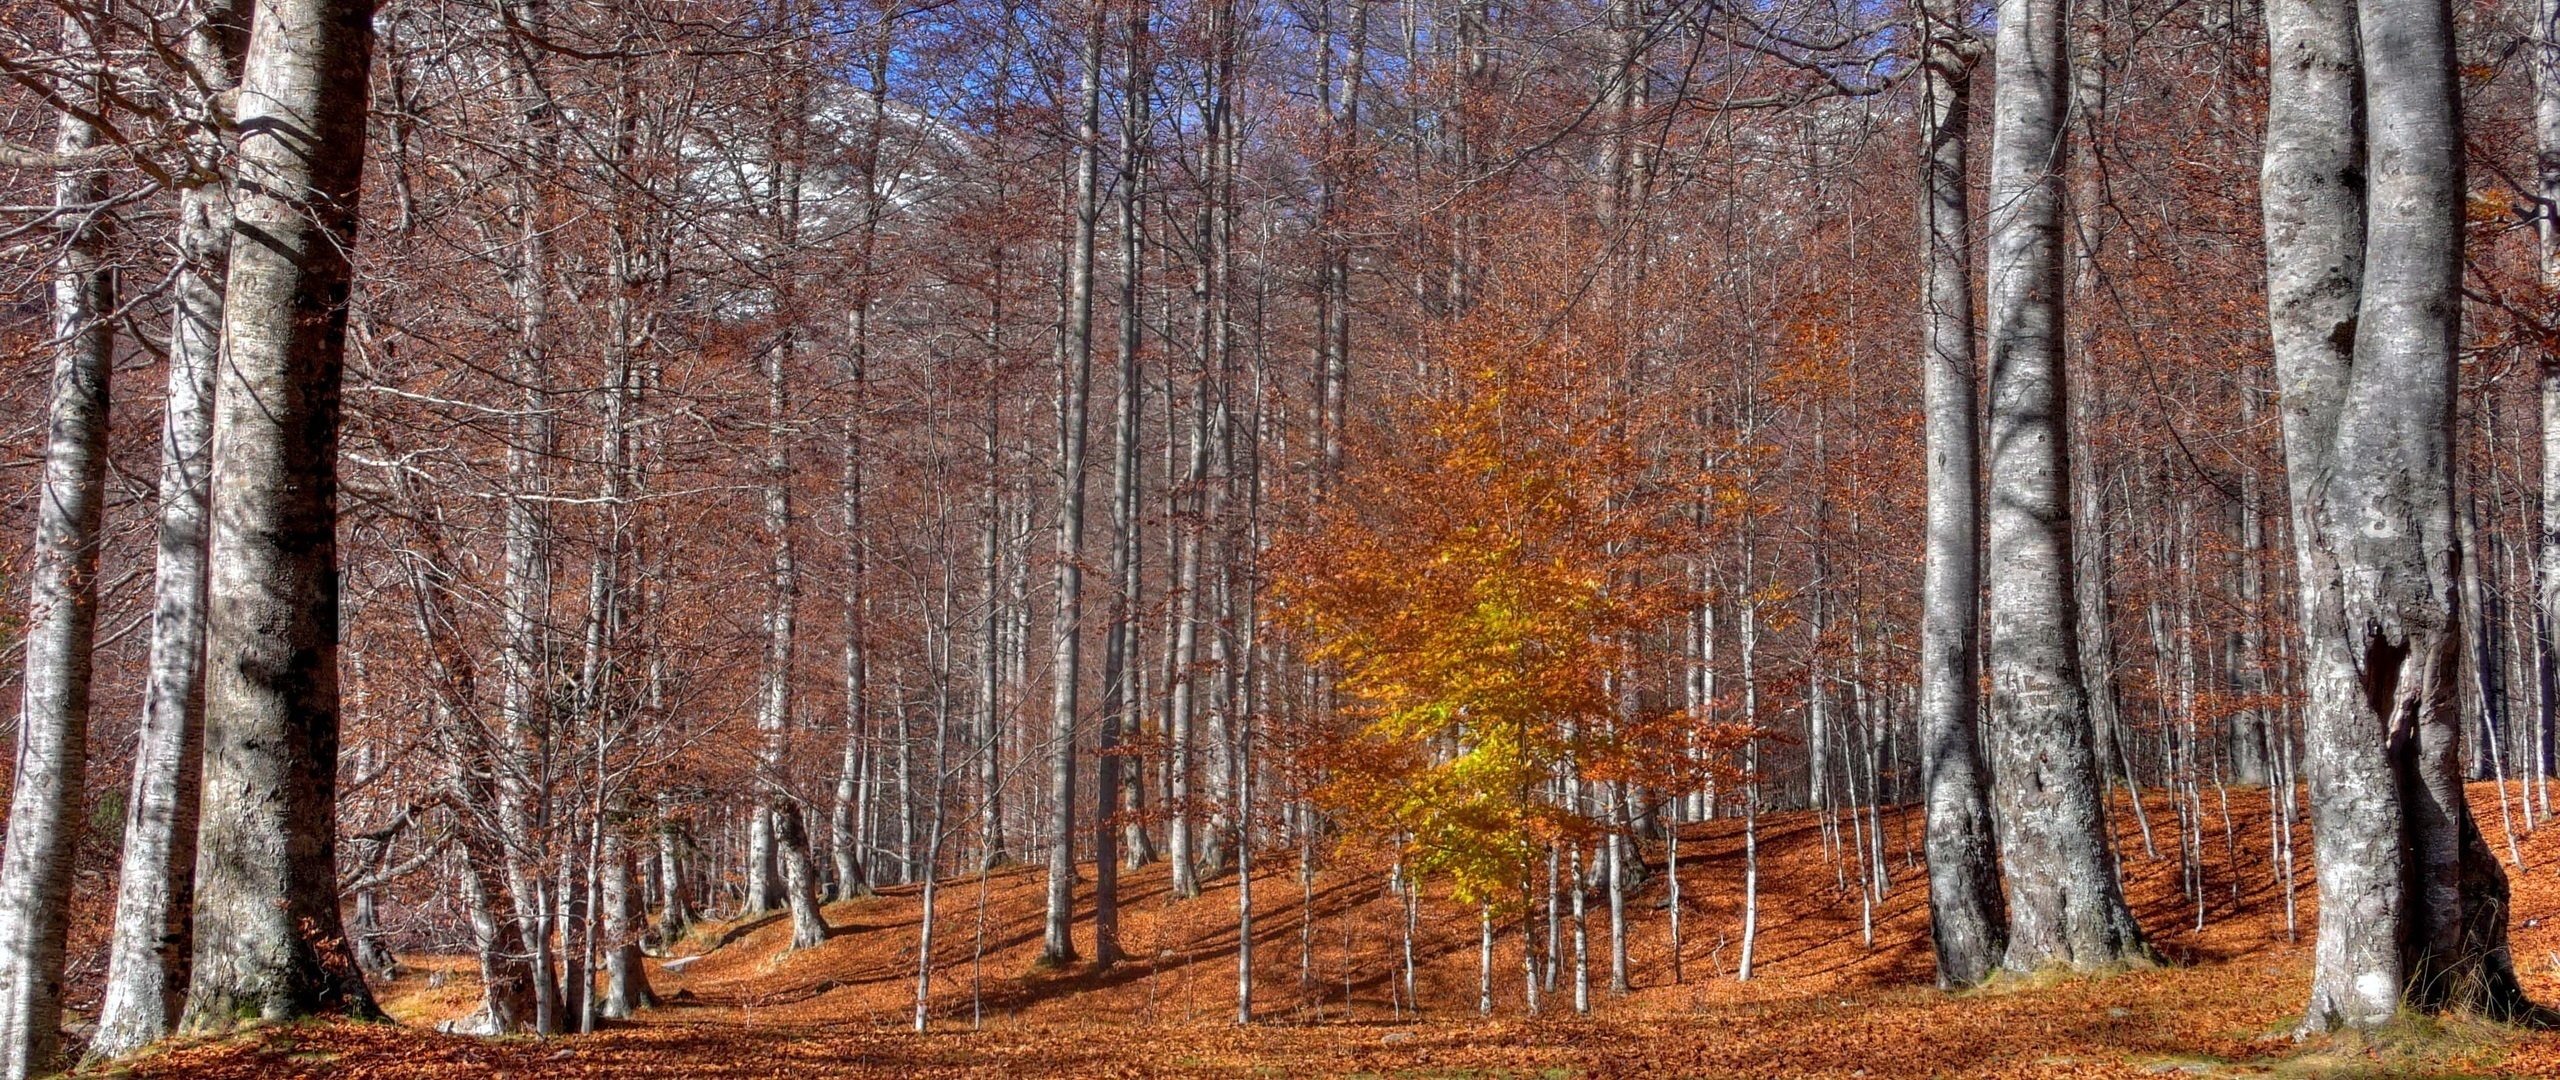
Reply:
x=1824, y=1001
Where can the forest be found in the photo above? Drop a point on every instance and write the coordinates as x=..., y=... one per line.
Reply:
x=1418, y=538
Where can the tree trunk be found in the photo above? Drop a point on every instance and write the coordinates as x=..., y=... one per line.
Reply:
x=1182, y=681
x=781, y=873
x=2544, y=44
x=2064, y=904
x=1115, y=782
x=799, y=874
x=470, y=790
x=2089, y=518
x=53, y=731
x=269, y=944
x=2364, y=274
x=1964, y=881
x=146, y=961
x=1075, y=388
x=626, y=988
x=675, y=906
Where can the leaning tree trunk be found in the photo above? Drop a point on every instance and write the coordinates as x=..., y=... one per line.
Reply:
x=146, y=958
x=268, y=940
x=62, y=606
x=452, y=681
x=2065, y=907
x=1964, y=877
x=2363, y=181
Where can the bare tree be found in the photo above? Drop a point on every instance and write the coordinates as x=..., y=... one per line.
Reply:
x=2065, y=905
x=62, y=606
x=2544, y=43
x=268, y=940
x=1964, y=877
x=146, y=964
x=1075, y=389
x=2363, y=181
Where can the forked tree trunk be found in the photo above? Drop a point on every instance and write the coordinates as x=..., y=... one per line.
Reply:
x=269, y=944
x=62, y=606
x=799, y=873
x=2363, y=181
x=2065, y=907
x=1964, y=878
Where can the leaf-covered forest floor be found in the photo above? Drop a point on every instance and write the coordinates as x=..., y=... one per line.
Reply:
x=1823, y=1002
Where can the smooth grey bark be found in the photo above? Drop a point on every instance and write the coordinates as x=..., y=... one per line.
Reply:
x=1965, y=919
x=2363, y=182
x=1075, y=389
x=2543, y=43
x=845, y=820
x=146, y=955
x=799, y=873
x=847, y=817
x=990, y=703
x=269, y=944
x=1112, y=781
x=1128, y=575
x=506, y=971
x=2090, y=568
x=2312, y=182
x=675, y=896
x=1182, y=658
x=2065, y=907
x=522, y=788
x=779, y=867
x=62, y=603
x=626, y=987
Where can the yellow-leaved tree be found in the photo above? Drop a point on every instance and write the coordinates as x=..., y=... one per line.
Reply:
x=1475, y=583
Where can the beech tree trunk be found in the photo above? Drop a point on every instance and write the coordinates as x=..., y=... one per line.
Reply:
x=626, y=988
x=1182, y=693
x=1964, y=878
x=269, y=944
x=62, y=605
x=780, y=870
x=2363, y=181
x=523, y=782
x=2544, y=46
x=1075, y=387
x=2065, y=907
x=146, y=959
x=847, y=838
x=1113, y=780
x=469, y=780
x=2090, y=568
